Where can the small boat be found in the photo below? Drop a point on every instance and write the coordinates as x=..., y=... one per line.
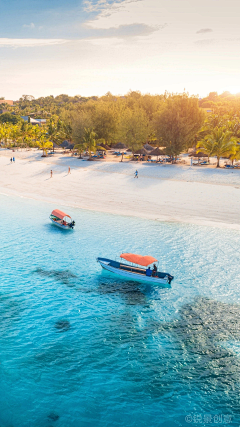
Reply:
x=62, y=220
x=134, y=272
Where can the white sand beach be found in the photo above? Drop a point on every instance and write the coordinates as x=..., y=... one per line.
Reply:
x=187, y=194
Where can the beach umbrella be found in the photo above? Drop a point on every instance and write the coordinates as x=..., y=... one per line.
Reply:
x=200, y=154
x=158, y=152
x=148, y=147
x=64, y=144
x=106, y=147
x=142, y=151
x=70, y=146
x=119, y=146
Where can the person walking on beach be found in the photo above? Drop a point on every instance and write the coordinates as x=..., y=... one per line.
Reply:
x=11, y=160
x=14, y=159
x=69, y=170
x=51, y=174
x=136, y=174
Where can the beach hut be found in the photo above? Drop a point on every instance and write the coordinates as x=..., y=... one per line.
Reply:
x=157, y=152
x=142, y=151
x=106, y=147
x=199, y=155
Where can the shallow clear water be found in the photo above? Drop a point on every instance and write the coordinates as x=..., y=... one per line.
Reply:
x=81, y=348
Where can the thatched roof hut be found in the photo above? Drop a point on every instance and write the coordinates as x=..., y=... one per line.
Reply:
x=158, y=152
x=142, y=151
x=148, y=147
x=200, y=154
x=106, y=146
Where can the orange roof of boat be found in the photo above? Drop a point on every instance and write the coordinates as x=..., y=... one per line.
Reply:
x=139, y=259
x=59, y=214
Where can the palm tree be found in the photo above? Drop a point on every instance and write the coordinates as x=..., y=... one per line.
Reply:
x=55, y=132
x=90, y=141
x=80, y=147
x=44, y=143
x=5, y=133
x=219, y=143
x=235, y=155
x=206, y=146
x=15, y=134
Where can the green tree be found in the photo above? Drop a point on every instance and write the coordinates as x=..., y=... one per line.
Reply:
x=79, y=122
x=90, y=141
x=9, y=118
x=206, y=146
x=133, y=128
x=44, y=143
x=221, y=142
x=177, y=122
x=105, y=121
x=56, y=131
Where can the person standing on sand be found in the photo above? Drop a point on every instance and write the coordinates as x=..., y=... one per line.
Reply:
x=69, y=170
x=51, y=174
x=136, y=174
x=11, y=160
x=14, y=159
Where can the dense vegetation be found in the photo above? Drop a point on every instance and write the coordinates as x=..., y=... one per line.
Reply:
x=174, y=121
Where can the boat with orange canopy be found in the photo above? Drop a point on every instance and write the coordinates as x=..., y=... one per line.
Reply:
x=62, y=220
x=135, y=270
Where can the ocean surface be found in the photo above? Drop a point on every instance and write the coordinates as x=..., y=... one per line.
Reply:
x=80, y=348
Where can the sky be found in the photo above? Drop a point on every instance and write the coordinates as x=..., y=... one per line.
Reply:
x=91, y=47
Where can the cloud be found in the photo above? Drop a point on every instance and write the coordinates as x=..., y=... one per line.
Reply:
x=105, y=4
x=204, y=30
x=204, y=42
x=125, y=31
x=4, y=42
x=30, y=26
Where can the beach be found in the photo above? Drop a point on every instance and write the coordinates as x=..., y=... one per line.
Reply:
x=176, y=193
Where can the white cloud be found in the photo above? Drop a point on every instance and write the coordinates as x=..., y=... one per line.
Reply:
x=5, y=42
x=31, y=26
x=106, y=4
x=126, y=12
x=204, y=30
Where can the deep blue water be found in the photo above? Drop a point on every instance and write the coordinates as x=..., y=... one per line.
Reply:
x=81, y=348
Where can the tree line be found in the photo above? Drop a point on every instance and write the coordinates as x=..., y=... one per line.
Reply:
x=176, y=122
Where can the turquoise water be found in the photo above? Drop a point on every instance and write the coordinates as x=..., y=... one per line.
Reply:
x=81, y=348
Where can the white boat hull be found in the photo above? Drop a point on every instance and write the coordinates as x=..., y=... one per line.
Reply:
x=63, y=227
x=134, y=276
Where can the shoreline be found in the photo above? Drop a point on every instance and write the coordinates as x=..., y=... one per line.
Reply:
x=110, y=188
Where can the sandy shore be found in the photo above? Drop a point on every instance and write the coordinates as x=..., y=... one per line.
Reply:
x=162, y=192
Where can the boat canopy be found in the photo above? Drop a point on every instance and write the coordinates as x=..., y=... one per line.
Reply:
x=139, y=259
x=59, y=214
